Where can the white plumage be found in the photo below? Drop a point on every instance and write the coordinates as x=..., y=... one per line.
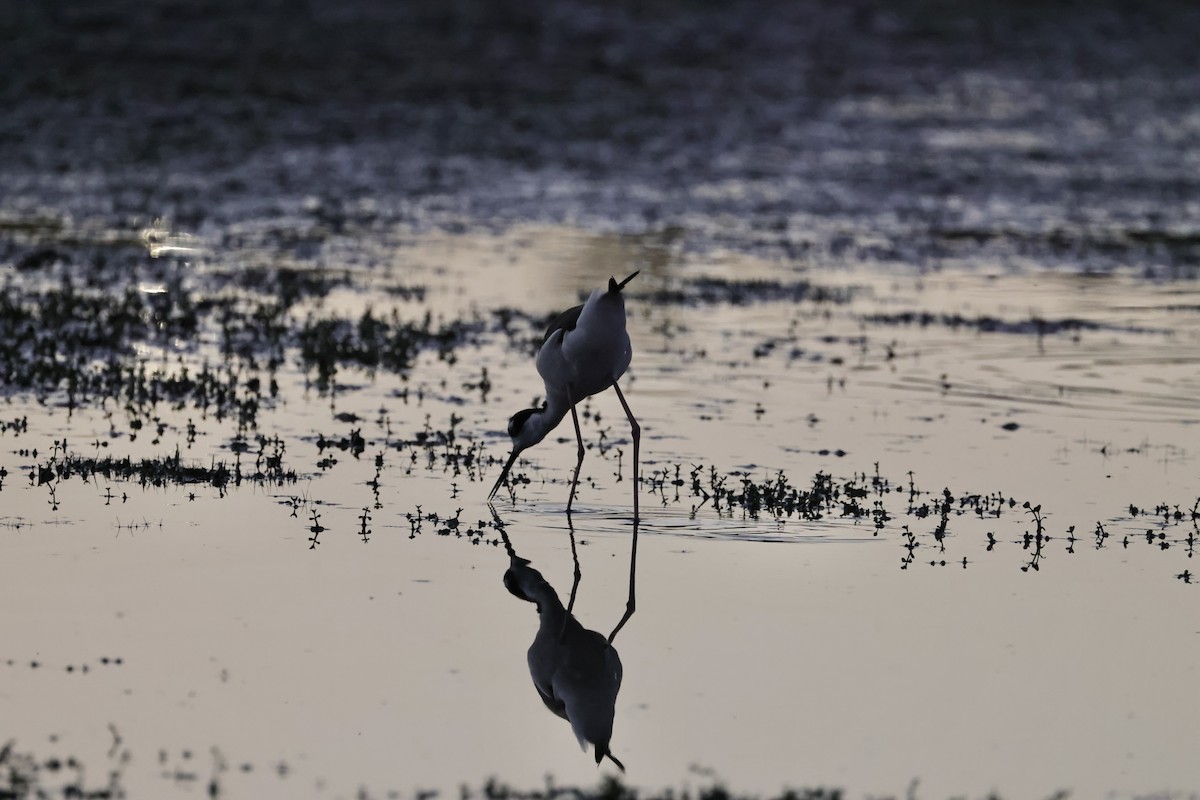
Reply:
x=586, y=349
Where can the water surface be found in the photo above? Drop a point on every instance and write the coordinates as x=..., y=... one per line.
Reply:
x=916, y=339
x=813, y=644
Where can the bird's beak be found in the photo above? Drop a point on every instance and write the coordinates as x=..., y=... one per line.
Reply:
x=504, y=473
x=621, y=285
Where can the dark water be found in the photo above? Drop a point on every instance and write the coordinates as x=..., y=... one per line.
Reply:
x=916, y=134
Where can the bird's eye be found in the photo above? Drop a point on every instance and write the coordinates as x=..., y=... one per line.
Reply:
x=518, y=421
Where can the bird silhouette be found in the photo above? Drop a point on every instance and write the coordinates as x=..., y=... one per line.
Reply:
x=586, y=349
x=576, y=671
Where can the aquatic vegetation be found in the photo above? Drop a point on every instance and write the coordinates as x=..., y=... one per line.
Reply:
x=26, y=774
x=267, y=469
x=611, y=787
x=454, y=526
x=988, y=324
x=718, y=291
x=371, y=343
x=882, y=502
x=83, y=348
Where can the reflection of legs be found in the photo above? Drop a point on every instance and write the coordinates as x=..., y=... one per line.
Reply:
x=579, y=461
x=578, y=576
x=575, y=559
x=636, y=431
x=503, y=533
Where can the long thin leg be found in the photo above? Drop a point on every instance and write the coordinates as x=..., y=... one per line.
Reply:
x=579, y=460
x=636, y=431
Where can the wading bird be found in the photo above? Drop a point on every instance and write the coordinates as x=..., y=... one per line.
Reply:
x=586, y=350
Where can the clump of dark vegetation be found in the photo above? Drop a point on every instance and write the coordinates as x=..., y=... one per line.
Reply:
x=988, y=324
x=777, y=497
x=267, y=469
x=721, y=291
x=611, y=787
x=445, y=449
x=420, y=522
x=24, y=776
x=78, y=347
x=372, y=343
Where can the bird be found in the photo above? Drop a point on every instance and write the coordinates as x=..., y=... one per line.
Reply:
x=585, y=350
x=576, y=671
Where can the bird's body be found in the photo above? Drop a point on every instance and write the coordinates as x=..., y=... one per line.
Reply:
x=586, y=349
x=576, y=671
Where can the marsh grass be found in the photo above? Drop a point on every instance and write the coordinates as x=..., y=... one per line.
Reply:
x=26, y=775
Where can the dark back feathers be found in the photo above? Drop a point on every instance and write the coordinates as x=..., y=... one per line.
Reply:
x=565, y=321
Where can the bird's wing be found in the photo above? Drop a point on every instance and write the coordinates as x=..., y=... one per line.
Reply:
x=544, y=662
x=565, y=321
x=587, y=683
x=553, y=703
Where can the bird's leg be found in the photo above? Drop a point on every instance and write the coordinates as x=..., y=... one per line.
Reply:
x=579, y=460
x=636, y=431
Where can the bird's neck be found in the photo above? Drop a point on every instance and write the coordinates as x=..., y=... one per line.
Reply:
x=539, y=425
x=550, y=609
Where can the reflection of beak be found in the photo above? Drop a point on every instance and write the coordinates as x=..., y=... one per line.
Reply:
x=604, y=753
x=504, y=473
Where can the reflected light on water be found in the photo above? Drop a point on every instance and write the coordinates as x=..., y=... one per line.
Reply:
x=160, y=241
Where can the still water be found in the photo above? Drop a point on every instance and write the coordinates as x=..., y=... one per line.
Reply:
x=896, y=526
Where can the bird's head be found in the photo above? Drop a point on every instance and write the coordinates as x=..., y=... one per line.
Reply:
x=526, y=428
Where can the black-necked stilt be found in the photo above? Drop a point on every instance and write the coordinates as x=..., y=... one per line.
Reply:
x=586, y=350
x=576, y=671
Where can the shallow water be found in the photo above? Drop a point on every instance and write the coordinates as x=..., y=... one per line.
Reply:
x=859, y=648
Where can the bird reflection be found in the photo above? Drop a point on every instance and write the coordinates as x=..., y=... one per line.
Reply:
x=576, y=671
